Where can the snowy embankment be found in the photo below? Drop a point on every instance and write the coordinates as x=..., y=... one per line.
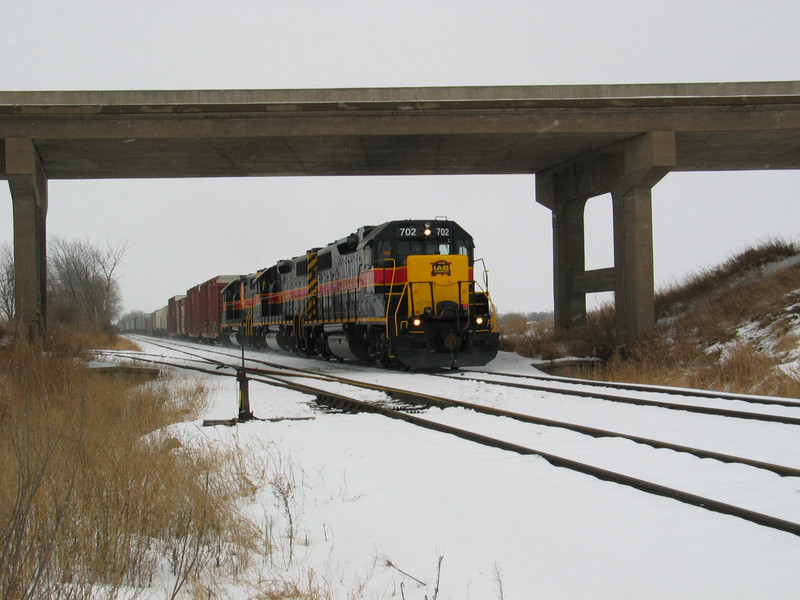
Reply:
x=374, y=503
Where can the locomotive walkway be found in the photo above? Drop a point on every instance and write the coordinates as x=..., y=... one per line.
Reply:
x=580, y=141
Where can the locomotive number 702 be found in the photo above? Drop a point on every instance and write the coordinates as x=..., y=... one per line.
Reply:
x=412, y=232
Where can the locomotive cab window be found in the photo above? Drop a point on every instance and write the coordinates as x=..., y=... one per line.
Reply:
x=407, y=248
x=383, y=252
x=463, y=248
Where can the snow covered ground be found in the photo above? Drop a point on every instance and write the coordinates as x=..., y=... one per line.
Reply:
x=375, y=503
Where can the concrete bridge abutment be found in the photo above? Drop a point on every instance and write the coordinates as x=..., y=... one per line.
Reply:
x=628, y=171
x=28, y=185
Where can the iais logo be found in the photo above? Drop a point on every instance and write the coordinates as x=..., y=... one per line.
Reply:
x=440, y=267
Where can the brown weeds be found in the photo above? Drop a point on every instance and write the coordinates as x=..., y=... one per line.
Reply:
x=730, y=328
x=93, y=493
x=73, y=341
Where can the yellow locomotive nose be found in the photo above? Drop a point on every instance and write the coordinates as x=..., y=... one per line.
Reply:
x=437, y=278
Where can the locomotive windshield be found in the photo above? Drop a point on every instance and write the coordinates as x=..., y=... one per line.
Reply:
x=405, y=248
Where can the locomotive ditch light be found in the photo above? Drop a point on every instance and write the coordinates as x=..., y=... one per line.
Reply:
x=479, y=321
x=416, y=322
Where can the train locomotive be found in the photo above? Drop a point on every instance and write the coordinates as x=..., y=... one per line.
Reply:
x=398, y=293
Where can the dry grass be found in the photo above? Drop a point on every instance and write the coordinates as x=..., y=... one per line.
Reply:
x=711, y=282
x=739, y=368
x=95, y=498
x=699, y=339
x=529, y=339
x=76, y=341
x=79, y=342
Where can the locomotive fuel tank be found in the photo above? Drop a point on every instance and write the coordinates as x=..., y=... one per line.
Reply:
x=348, y=345
x=277, y=341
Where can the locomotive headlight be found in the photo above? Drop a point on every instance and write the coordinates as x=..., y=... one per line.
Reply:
x=427, y=231
x=479, y=321
x=416, y=322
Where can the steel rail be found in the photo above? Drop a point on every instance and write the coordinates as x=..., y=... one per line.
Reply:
x=658, y=389
x=708, y=410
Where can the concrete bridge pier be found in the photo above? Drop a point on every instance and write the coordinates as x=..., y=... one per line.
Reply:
x=28, y=184
x=628, y=171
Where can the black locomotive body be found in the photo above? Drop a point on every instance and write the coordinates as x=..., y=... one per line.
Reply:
x=399, y=292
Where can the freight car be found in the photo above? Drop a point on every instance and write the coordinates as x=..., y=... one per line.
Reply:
x=154, y=323
x=203, y=308
x=176, y=316
x=159, y=322
x=401, y=292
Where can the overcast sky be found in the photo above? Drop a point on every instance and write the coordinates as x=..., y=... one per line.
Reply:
x=182, y=232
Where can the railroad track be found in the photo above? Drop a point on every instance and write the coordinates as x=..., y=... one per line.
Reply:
x=442, y=402
x=575, y=388
x=571, y=387
x=641, y=387
x=329, y=390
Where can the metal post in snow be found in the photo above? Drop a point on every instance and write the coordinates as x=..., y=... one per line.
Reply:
x=244, y=393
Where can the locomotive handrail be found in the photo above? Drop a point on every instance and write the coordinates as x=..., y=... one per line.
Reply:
x=486, y=292
x=493, y=318
x=390, y=293
x=248, y=322
x=397, y=308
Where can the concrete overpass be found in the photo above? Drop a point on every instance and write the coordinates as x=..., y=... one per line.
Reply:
x=580, y=141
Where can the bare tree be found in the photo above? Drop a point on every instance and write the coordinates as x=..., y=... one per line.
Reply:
x=108, y=260
x=83, y=281
x=6, y=282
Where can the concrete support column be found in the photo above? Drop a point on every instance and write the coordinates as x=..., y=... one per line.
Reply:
x=628, y=171
x=568, y=264
x=28, y=185
x=633, y=261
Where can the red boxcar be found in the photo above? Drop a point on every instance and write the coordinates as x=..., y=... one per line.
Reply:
x=176, y=316
x=204, y=307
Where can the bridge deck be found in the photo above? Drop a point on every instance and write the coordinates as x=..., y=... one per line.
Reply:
x=517, y=129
